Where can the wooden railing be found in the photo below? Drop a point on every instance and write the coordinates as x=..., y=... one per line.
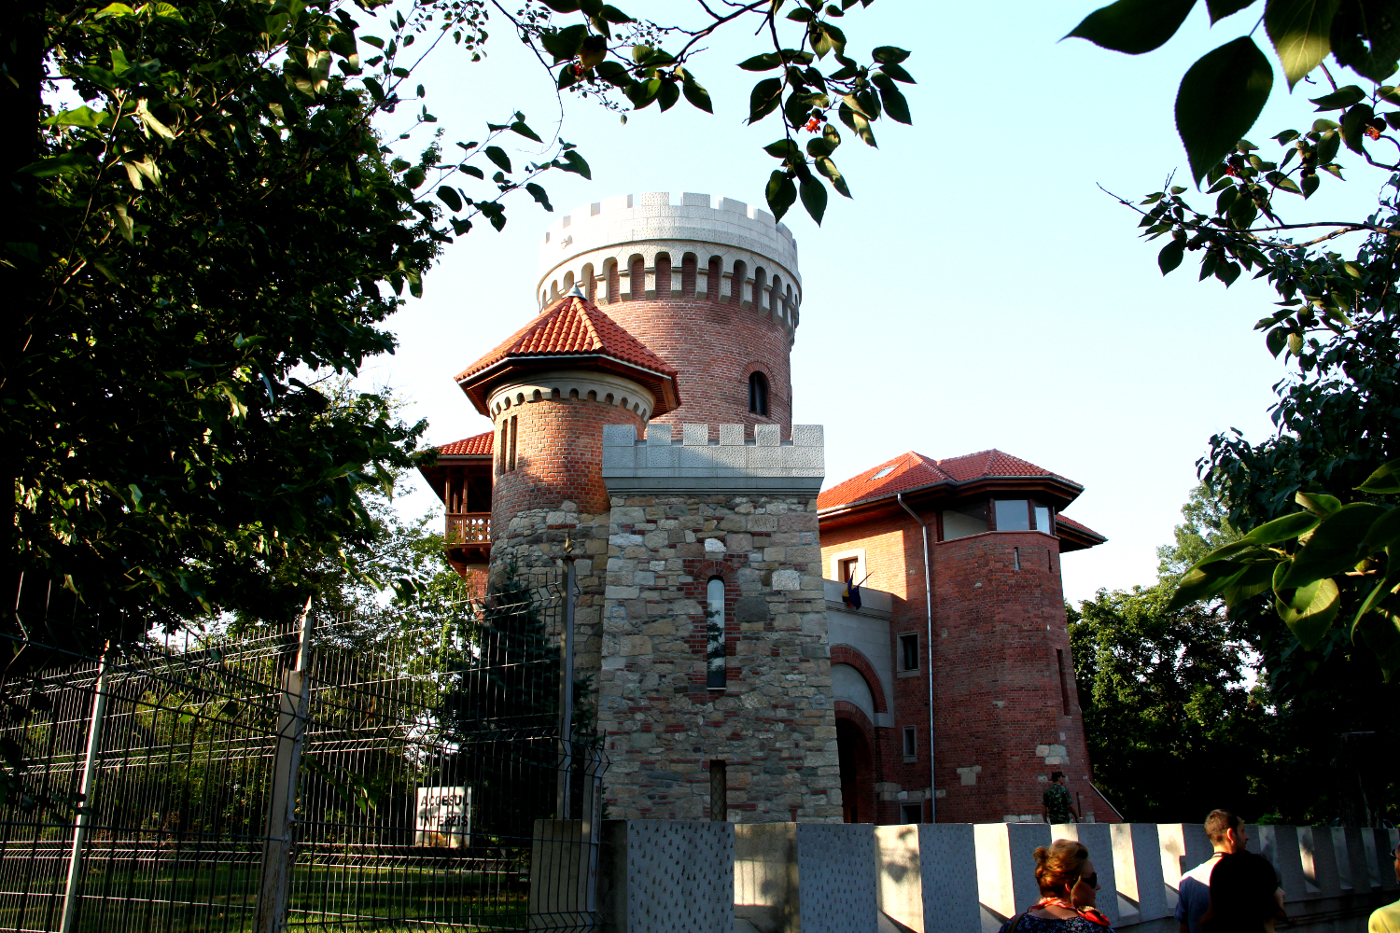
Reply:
x=468, y=528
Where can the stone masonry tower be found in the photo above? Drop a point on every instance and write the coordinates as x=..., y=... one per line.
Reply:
x=713, y=290
x=656, y=435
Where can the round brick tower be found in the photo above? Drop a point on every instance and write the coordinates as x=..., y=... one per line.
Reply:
x=549, y=389
x=712, y=289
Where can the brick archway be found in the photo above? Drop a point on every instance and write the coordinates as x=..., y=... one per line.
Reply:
x=857, y=755
x=845, y=654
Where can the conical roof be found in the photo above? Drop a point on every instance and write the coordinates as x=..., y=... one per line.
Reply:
x=574, y=332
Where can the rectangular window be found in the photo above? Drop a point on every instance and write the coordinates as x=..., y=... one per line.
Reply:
x=1043, y=520
x=719, y=791
x=1064, y=679
x=909, y=652
x=911, y=746
x=911, y=813
x=970, y=520
x=501, y=451
x=847, y=569
x=510, y=462
x=1013, y=515
x=715, y=674
x=1016, y=557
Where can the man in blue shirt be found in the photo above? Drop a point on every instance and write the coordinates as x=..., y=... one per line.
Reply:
x=1227, y=836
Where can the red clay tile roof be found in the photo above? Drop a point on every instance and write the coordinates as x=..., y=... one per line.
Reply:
x=478, y=445
x=573, y=326
x=1060, y=519
x=914, y=470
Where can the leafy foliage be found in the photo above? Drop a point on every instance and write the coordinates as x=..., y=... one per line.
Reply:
x=610, y=56
x=1224, y=92
x=205, y=217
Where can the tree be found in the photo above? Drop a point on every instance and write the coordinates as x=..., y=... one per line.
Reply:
x=202, y=214
x=1336, y=451
x=1173, y=730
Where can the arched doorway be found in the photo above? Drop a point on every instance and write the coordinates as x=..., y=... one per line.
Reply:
x=857, y=773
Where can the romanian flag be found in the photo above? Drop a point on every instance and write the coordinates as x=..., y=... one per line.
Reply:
x=852, y=596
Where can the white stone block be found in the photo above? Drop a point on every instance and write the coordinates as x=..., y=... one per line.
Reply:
x=766, y=461
x=658, y=434
x=690, y=199
x=731, y=435
x=661, y=457
x=695, y=435
x=714, y=545
x=699, y=458
x=619, y=435
x=805, y=457
x=619, y=457
x=767, y=435
x=787, y=580
x=808, y=435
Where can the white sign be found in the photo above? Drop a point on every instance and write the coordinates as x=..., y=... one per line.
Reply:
x=443, y=817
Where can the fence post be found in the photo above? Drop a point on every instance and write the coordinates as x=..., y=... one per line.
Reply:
x=72, y=895
x=281, y=812
x=566, y=690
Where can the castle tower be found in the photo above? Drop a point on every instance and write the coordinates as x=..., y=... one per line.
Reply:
x=713, y=289
x=549, y=389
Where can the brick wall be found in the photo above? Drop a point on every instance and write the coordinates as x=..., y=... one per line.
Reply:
x=714, y=345
x=559, y=456
x=1000, y=722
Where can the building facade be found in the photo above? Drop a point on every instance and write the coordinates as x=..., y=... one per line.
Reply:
x=641, y=426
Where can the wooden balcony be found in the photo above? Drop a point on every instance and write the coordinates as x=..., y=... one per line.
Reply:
x=468, y=538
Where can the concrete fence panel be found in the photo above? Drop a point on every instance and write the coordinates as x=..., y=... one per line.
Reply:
x=837, y=888
x=1321, y=871
x=667, y=876
x=1280, y=845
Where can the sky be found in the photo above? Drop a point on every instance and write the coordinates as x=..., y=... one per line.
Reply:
x=979, y=291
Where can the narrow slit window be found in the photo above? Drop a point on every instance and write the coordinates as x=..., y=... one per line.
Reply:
x=911, y=812
x=1064, y=679
x=514, y=430
x=758, y=394
x=501, y=450
x=911, y=743
x=715, y=674
x=719, y=791
x=1016, y=557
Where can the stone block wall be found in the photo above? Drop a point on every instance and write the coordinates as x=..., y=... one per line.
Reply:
x=672, y=528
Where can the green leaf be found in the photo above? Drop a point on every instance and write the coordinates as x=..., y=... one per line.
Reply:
x=784, y=149
x=573, y=162
x=124, y=222
x=450, y=197
x=1299, y=30
x=1133, y=26
x=1309, y=611
x=498, y=155
x=892, y=99
x=61, y=164
x=697, y=95
x=856, y=121
x=1335, y=546
x=1218, y=101
x=1283, y=529
x=765, y=62
x=80, y=116
x=813, y=194
x=1170, y=256
x=1340, y=99
x=1384, y=481
x=538, y=193
x=898, y=73
x=667, y=94
x=1219, y=9
x=829, y=169
x=1202, y=583
x=781, y=193
x=765, y=98
x=1354, y=124
x=1384, y=533
x=519, y=127
x=1366, y=38
x=888, y=54
x=1380, y=629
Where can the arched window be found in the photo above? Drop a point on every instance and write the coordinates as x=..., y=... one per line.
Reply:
x=758, y=394
x=715, y=677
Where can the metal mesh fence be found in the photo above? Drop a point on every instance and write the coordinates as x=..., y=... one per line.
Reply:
x=425, y=766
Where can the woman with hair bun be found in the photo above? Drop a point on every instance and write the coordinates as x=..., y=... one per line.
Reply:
x=1069, y=886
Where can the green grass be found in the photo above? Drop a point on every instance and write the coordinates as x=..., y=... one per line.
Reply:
x=222, y=898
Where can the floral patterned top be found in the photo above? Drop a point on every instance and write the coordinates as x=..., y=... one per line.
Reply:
x=1030, y=924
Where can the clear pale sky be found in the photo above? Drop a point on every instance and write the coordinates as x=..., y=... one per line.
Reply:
x=980, y=291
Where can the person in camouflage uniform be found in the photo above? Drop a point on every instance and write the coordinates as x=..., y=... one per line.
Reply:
x=1059, y=806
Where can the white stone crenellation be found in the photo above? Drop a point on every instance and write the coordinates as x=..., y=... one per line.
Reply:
x=582, y=248
x=737, y=463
